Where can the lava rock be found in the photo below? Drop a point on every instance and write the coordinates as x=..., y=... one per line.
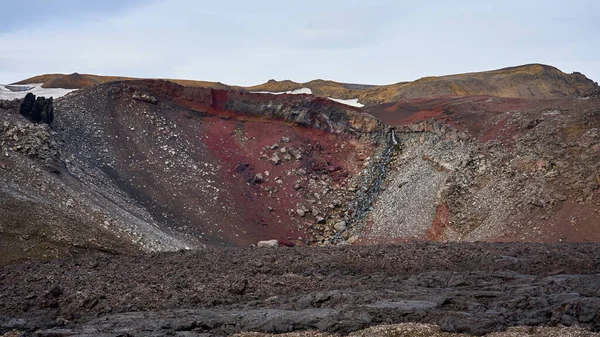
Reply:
x=37, y=110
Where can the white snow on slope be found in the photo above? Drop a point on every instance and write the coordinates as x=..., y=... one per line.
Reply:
x=306, y=91
x=10, y=92
x=352, y=102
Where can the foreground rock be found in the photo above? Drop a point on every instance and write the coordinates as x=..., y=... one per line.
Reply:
x=396, y=330
x=429, y=330
x=462, y=288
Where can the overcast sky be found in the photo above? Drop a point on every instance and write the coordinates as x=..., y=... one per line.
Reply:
x=250, y=42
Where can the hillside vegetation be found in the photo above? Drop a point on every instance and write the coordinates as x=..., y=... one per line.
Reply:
x=526, y=81
x=80, y=81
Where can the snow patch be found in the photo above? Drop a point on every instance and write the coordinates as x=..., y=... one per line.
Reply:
x=303, y=91
x=10, y=92
x=352, y=102
x=306, y=91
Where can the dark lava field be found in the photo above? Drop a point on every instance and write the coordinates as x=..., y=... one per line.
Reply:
x=475, y=288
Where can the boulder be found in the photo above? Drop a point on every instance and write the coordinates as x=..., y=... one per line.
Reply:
x=340, y=226
x=145, y=97
x=268, y=244
x=258, y=179
x=275, y=160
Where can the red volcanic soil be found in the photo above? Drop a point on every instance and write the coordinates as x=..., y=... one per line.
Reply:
x=440, y=223
x=267, y=213
x=204, y=156
x=553, y=143
x=241, y=143
x=482, y=117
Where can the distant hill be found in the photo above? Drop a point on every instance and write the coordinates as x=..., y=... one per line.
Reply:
x=526, y=81
x=72, y=81
x=79, y=81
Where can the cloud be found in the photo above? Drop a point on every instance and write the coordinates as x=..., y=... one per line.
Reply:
x=347, y=28
x=243, y=42
x=18, y=15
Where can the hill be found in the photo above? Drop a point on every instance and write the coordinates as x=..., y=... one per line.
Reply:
x=526, y=81
x=71, y=81
x=79, y=81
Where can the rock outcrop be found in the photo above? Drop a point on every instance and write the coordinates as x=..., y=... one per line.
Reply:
x=40, y=110
x=145, y=97
x=487, y=168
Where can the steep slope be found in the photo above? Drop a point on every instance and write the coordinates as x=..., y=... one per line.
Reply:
x=160, y=166
x=484, y=168
x=47, y=211
x=224, y=165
